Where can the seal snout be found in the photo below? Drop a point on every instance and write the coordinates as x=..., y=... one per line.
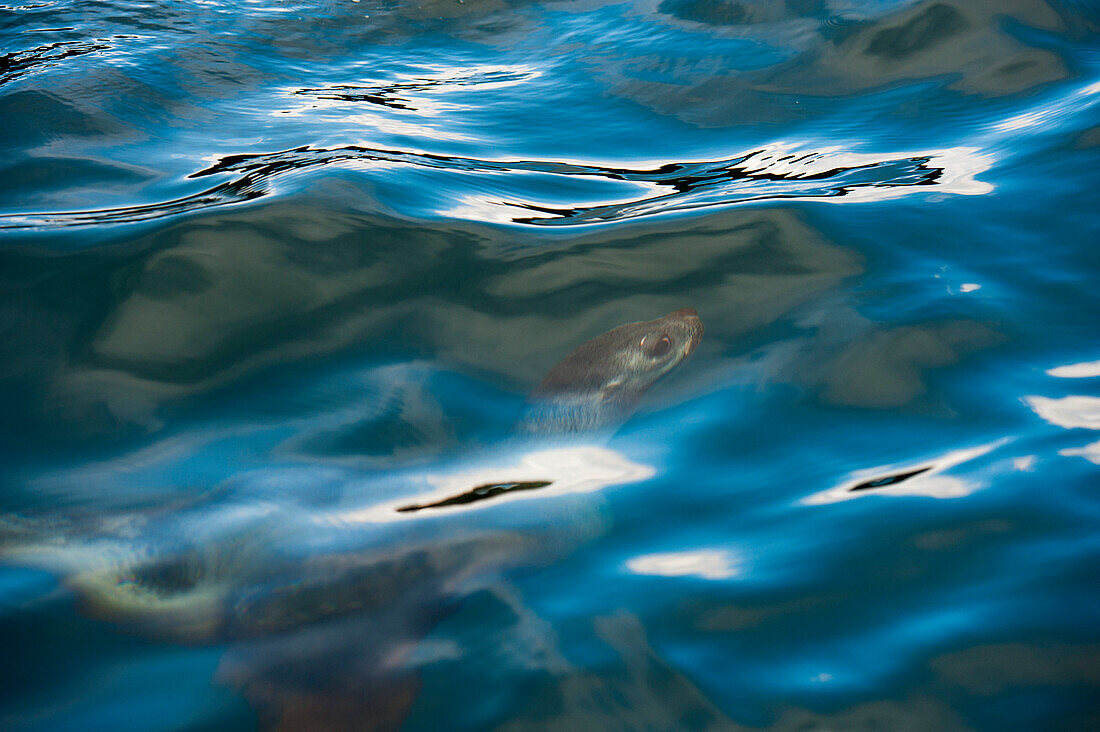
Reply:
x=689, y=319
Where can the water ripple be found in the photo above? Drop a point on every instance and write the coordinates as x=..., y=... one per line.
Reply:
x=780, y=171
x=19, y=63
x=401, y=94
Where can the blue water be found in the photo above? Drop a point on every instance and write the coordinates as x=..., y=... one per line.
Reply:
x=271, y=270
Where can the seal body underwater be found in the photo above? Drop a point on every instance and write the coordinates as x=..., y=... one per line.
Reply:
x=233, y=590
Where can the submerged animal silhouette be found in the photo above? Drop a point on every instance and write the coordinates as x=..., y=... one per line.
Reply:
x=599, y=383
x=595, y=387
x=181, y=574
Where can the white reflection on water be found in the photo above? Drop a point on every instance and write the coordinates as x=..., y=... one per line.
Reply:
x=1051, y=114
x=1074, y=411
x=1025, y=463
x=931, y=483
x=958, y=167
x=376, y=121
x=1090, y=452
x=807, y=170
x=576, y=469
x=711, y=564
x=1069, y=412
x=1083, y=370
x=376, y=103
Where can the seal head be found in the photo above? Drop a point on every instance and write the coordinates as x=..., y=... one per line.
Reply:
x=601, y=381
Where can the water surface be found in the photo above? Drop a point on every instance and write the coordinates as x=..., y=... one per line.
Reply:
x=272, y=270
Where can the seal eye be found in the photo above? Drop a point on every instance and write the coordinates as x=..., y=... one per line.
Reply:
x=657, y=346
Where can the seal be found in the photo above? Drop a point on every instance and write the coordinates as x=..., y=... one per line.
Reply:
x=328, y=638
x=171, y=584
x=598, y=385
x=595, y=388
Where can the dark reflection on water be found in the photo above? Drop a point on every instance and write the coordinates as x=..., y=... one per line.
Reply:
x=276, y=279
x=480, y=493
x=237, y=293
x=16, y=64
x=888, y=480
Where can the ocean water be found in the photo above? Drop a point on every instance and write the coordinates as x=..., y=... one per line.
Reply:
x=272, y=271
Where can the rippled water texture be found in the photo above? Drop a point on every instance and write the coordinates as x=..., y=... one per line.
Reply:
x=278, y=278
